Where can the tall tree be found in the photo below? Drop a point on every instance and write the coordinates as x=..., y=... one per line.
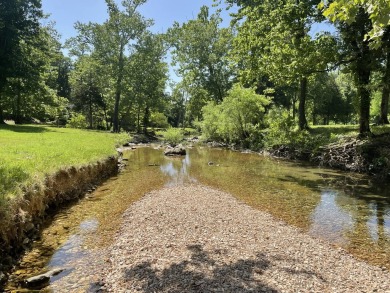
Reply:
x=200, y=48
x=273, y=39
x=19, y=26
x=146, y=77
x=386, y=78
x=87, y=93
x=112, y=42
x=354, y=25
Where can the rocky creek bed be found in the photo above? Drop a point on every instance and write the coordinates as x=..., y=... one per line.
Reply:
x=196, y=239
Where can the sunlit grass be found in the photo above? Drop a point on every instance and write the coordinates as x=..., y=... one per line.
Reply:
x=28, y=153
x=346, y=130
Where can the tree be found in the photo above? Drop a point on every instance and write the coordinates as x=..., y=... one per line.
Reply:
x=386, y=78
x=111, y=42
x=354, y=27
x=273, y=40
x=328, y=103
x=87, y=88
x=19, y=26
x=146, y=77
x=348, y=11
x=33, y=88
x=200, y=49
x=368, y=21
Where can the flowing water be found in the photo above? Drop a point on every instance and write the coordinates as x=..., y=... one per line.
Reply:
x=344, y=209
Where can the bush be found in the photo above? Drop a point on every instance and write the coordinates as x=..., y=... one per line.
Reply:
x=173, y=136
x=283, y=132
x=159, y=120
x=238, y=119
x=77, y=121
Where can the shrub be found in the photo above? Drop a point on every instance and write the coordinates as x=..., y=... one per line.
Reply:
x=238, y=119
x=77, y=121
x=283, y=132
x=173, y=136
x=159, y=120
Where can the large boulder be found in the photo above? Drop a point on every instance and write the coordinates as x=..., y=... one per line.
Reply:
x=178, y=150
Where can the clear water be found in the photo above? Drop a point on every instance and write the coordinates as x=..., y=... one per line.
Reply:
x=347, y=210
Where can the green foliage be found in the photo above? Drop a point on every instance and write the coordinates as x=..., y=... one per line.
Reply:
x=173, y=136
x=273, y=41
x=282, y=132
x=77, y=121
x=158, y=120
x=347, y=11
x=112, y=44
x=238, y=119
x=200, y=49
x=281, y=127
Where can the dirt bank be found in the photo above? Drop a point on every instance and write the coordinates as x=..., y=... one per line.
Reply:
x=197, y=239
x=21, y=222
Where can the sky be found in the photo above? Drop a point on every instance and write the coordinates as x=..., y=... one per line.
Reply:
x=164, y=12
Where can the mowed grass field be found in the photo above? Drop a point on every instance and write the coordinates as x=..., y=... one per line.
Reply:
x=28, y=152
x=348, y=130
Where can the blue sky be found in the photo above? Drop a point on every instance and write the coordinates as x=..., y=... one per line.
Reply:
x=164, y=12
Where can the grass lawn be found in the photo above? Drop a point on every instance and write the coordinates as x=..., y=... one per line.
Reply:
x=348, y=130
x=29, y=152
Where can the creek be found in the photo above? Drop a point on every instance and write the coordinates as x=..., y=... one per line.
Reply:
x=345, y=209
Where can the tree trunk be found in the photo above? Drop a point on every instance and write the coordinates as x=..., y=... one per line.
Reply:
x=17, y=114
x=106, y=117
x=302, y=100
x=294, y=109
x=385, y=91
x=138, y=119
x=363, y=76
x=118, y=90
x=90, y=112
x=146, y=119
x=365, y=99
x=1, y=111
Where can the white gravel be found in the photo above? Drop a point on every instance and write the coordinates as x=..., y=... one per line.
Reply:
x=196, y=239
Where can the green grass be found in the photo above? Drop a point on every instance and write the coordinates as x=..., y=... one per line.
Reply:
x=29, y=153
x=346, y=130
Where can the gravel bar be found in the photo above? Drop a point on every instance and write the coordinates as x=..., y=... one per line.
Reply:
x=196, y=239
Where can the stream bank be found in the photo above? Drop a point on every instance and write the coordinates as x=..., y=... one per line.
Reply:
x=361, y=155
x=22, y=223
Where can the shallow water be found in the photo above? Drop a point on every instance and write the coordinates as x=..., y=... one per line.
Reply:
x=347, y=210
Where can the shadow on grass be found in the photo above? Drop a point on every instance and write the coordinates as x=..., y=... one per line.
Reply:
x=201, y=273
x=25, y=128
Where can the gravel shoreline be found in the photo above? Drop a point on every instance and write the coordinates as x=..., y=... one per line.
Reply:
x=196, y=239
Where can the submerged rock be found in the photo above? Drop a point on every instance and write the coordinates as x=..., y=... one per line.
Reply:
x=41, y=281
x=178, y=150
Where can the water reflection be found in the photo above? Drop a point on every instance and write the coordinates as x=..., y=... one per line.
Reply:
x=177, y=169
x=330, y=220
